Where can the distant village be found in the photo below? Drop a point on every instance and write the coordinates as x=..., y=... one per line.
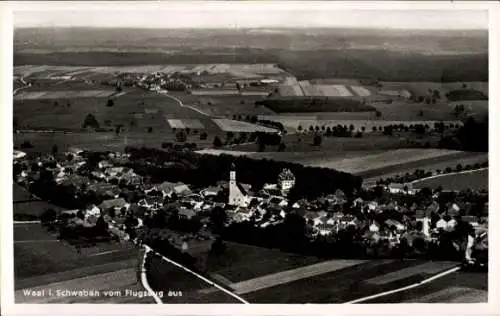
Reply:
x=126, y=204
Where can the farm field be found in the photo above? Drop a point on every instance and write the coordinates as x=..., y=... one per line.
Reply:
x=370, y=163
x=476, y=180
x=228, y=125
x=242, y=262
x=428, y=164
x=227, y=106
x=422, y=88
x=43, y=142
x=65, y=94
x=465, y=159
x=37, y=253
x=397, y=157
x=183, y=124
x=457, y=287
x=164, y=276
x=237, y=70
x=349, y=283
x=291, y=278
x=118, y=281
x=302, y=144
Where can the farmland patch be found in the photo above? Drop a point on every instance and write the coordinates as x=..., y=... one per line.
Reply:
x=182, y=124
x=361, y=91
x=477, y=180
x=228, y=125
x=67, y=94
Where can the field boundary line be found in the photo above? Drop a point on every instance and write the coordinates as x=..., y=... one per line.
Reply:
x=447, y=174
x=414, y=285
x=26, y=222
x=144, y=279
x=198, y=276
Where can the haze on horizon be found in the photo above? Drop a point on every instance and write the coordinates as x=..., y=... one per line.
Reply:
x=250, y=17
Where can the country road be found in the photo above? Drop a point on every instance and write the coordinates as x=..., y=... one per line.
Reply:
x=183, y=105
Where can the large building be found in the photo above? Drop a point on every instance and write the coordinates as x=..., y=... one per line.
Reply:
x=286, y=180
x=238, y=196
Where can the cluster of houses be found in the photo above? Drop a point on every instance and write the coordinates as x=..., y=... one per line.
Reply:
x=324, y=216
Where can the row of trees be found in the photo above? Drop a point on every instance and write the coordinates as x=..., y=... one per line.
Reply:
x=473, y=136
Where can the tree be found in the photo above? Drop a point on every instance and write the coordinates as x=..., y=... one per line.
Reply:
x=90, y=121
x=378, y=114
x=181, y=136
x=218, y=218
x=165, y=145
x=54, y=150
x=351, y=127
x=281, y=147
x=217, y=142
x=363, y=129
x=203, y=135
x=374, y=128
x=48, y=216
x=299, y=128
x=110, y=103
x=317, y=140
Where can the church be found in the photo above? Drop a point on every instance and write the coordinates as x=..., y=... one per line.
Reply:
x=238, y=194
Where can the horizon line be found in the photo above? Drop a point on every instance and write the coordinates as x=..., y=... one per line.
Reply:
x=251, y=28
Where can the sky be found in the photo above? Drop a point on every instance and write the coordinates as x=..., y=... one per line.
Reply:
x=246, y=15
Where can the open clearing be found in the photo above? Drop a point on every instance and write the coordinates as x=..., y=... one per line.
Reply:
x=477, y=180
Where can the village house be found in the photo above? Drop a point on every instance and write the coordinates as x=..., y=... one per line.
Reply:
x=115, y=204
x=186, y=213
x=391, y=223
x=169, y=188
x=404, y=188
x=374, y=227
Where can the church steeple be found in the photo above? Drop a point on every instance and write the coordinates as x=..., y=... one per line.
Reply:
x=232, y=173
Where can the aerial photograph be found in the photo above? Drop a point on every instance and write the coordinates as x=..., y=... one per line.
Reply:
x=250, y=155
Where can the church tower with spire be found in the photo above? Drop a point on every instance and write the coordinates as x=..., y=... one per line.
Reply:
x=236, y=196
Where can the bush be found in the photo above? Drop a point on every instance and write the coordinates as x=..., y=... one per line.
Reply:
x=90, y=121
x=317, y=140
x=217, y=142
